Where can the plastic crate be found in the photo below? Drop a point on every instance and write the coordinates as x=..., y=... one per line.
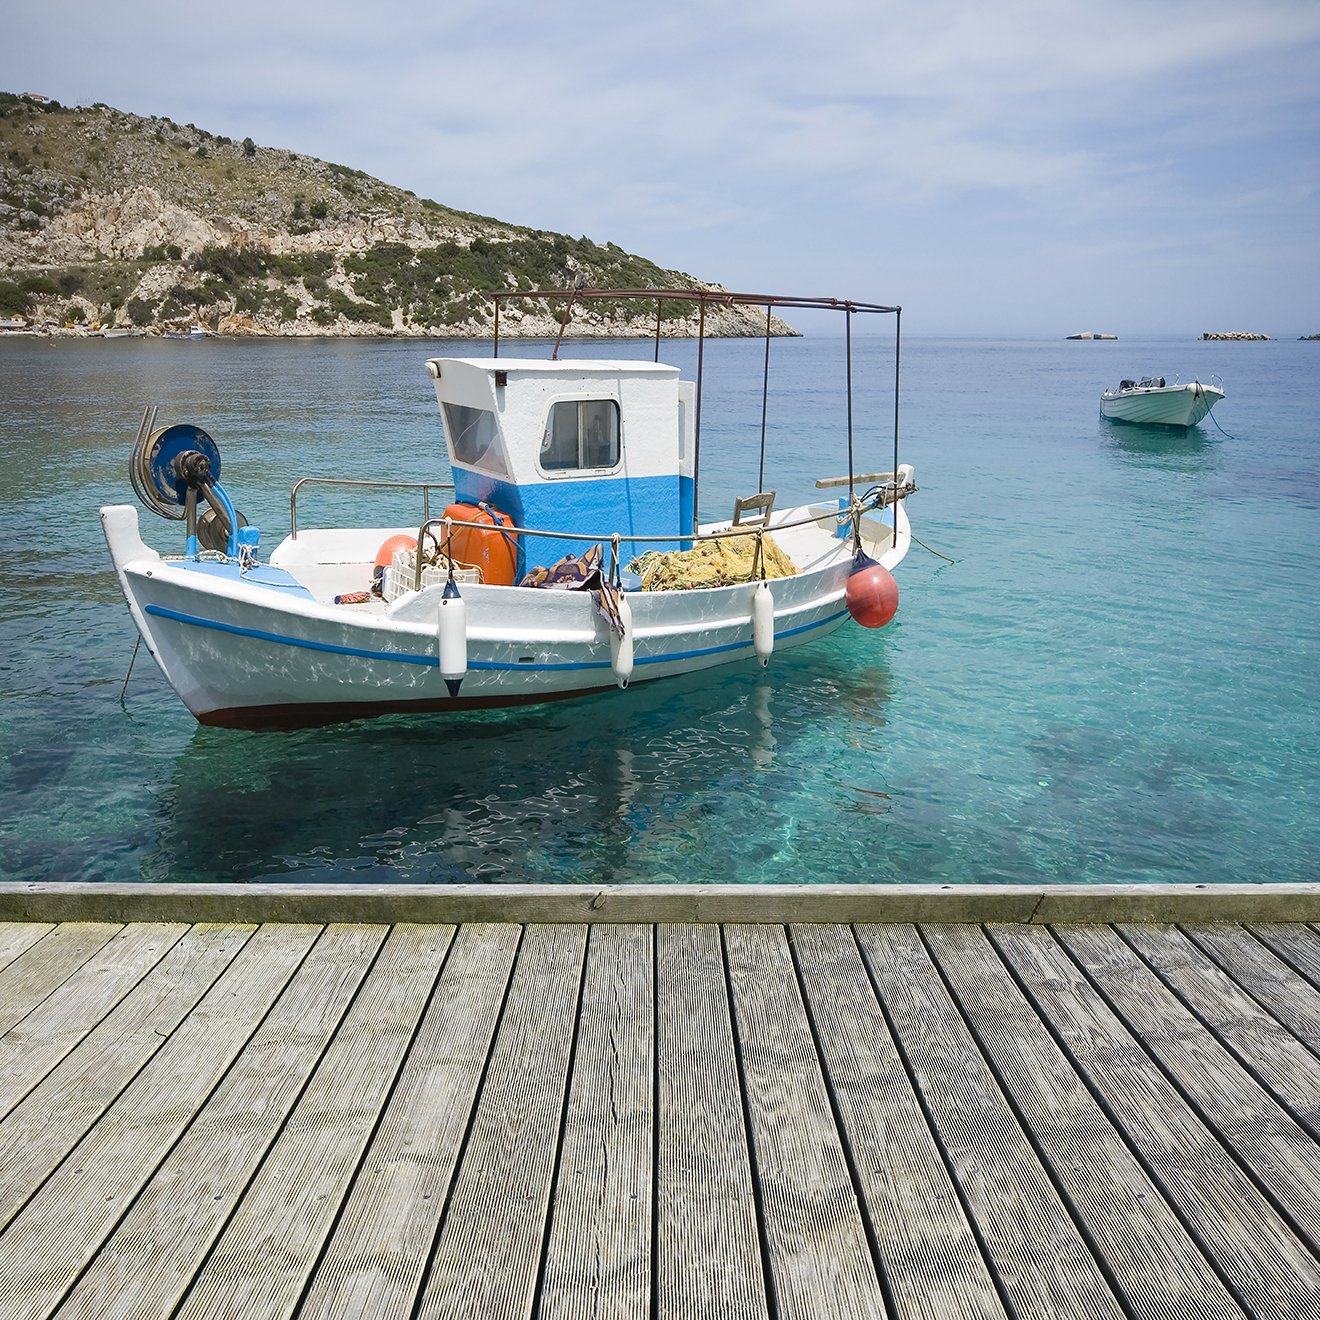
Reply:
x=403, y=573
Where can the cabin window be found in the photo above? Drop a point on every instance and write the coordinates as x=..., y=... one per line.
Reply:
x=581, y=433
x=474, y=437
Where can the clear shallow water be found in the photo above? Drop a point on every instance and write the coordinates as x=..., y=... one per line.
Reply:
x=1117, y=680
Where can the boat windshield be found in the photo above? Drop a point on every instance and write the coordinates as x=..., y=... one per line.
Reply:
x=474, y=438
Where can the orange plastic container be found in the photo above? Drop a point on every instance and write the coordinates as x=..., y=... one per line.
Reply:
x=478, y=541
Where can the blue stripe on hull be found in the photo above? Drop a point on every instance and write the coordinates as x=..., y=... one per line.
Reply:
x=431, y=662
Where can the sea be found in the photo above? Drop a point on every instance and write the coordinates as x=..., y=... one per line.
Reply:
x=1105, y=665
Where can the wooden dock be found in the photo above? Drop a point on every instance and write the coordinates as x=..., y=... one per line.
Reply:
x=947, y=1119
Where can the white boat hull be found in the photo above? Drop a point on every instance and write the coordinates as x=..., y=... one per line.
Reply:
x=260, y=650
x=1167, y=405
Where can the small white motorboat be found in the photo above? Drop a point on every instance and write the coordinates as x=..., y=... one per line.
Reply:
x=567, y=561
x=1154, y=402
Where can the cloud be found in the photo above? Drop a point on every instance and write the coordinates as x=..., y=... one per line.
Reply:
x=708, y=133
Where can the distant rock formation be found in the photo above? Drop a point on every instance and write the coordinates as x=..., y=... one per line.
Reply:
x=1231, y=334
x=116, y=222
x=1306, y=338
x=1091, y=334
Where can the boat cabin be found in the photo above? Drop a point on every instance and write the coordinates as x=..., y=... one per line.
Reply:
x=589, y=447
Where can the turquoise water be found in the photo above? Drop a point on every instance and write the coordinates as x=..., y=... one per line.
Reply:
x=1117, y=679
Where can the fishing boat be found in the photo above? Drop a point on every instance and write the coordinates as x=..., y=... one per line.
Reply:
x=567, y=560
x=1154, y=402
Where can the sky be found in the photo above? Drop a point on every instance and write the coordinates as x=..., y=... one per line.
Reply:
x=1018, y=167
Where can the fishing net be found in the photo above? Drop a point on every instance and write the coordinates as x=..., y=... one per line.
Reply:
x=717, y=563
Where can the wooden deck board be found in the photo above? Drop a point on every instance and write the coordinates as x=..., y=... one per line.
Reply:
x=1264, y=975
x=376, y=1261
x=820, y=1260
x=1144, y=1246
x=707, y=1256
x=56, y=1114
x=262, y=1262
x=630, y=1120
x=598, y=1258
x=1230, y=1218
x=149, y=1263
x=16, y=937
x=33, y=1046
x=489, y=1251
x=1272, y=1054
x=927, y=1250
x=1278, y=1153
x=1030, y=1240
x=43, y=966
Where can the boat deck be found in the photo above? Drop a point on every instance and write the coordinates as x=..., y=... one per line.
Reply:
x=940, y=1119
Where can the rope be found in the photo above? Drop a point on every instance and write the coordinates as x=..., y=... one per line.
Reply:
x=936, y=553
x=1222, y=432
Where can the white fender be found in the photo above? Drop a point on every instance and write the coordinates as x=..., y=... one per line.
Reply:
x=621, y=648
x=763, y=622
x=451, y=626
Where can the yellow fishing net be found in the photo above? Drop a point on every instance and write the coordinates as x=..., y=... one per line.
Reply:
x=718, y=563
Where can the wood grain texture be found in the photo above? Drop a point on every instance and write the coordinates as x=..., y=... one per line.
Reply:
x=1280, y=1155
x=56, y=1114
x=16, y=937
x=1280, y=1062
x=1265, y=976
x=1267, y=1266
x=146, y=1266
x=374, y=1264
x=263, y=1259
x=489, y=1250
x=622, y=1120
x=707, y=1260
x=1030, y=1239
x=42, y=1251
x=598, y=1258
x=33, y=1046
x=927, y=1249
x=817, y=1247
x=43, y=966
x=1299, y=945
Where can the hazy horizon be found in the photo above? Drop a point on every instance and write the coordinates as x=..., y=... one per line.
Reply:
x=1019, y=169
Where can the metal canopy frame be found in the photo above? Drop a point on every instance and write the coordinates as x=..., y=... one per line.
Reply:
x=723, y=298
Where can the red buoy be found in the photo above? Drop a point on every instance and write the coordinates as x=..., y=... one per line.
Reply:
x=871, y=594
x=385, y=558
x=388, y=547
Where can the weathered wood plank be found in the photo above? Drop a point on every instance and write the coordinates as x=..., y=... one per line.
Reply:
x=928, y=1252
x=147, y=1264
x=1266, y=977
x=1271, y=1053
x=16, y=937
x=32, y=1047
x=707, y=1261
x=373, y=1266
x=44, y=1248
x=1297, y=945
x=55, y=1115
x=1030, y=1240
x=819, y=1256
x=1280, y=1155
x=1270, y=1271
x=598, y=1259
x=264, y=1258
x=1149, y=1255
x=488, y=1254
x=44, y=965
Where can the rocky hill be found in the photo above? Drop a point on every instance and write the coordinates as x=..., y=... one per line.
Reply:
x=113, y=220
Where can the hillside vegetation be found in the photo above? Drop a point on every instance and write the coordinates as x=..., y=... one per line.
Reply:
x=114, y=220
